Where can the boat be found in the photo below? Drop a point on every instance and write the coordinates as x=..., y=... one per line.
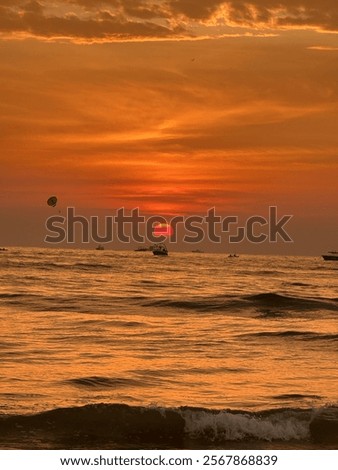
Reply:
x=197, y=251
x=3, y=249
x=100, y=247
x=331, y=256
x=160, y=249
x=142, y=248
x=233, y=256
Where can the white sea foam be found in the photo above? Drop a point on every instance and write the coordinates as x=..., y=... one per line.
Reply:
x=237, y=426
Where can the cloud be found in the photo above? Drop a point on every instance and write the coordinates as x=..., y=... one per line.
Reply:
x=323, y=48
x=249, y=122
x=108, y=20
x=262, y=13
x=32, y=19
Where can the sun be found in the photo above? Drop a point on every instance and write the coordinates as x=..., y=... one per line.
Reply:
x=163, y=230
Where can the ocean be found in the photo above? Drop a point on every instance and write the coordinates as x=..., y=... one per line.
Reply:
x=126, y=350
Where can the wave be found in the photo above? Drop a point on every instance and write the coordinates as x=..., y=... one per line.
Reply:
x=134, y=426
x=295, y=396
x=11, y=296
x=79, y=266
x=53, y=265
x=292, y=303
x=106, y=382
x=263, y=305
x=260, y=301
x=298, y=284
x=228, y=426
x=86, y=266
x=303, y=335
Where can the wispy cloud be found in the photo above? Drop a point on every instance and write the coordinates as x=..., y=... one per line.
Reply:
x=170, y=126
x=323, y=48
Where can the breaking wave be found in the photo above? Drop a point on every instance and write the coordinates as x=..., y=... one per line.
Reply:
x=125, y=424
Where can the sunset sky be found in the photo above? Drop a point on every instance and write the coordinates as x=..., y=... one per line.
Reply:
x=172, y=106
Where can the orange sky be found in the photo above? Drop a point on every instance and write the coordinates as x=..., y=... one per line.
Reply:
x=172, y=106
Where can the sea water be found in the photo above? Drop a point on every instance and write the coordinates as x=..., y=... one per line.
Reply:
x=129, y=350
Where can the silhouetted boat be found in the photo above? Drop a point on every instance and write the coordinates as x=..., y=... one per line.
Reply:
x=331, y=256
x=142, y=248
x=3, y=249
x=100, y=247
x=233, y=256
x=160, y=249
x=197, y=251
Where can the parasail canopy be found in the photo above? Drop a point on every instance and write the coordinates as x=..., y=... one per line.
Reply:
x=52, y=201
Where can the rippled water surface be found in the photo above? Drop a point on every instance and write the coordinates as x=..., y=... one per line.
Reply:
x=197, y=330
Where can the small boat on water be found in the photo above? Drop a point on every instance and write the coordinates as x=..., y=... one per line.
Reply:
x=197, y=251
x=3, y=249
x=331, y=256
x=142, y=248
x=100, y=248
x=160, y=249
x=233, y=256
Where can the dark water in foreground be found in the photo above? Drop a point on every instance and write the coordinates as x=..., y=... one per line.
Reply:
x=127, y=350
